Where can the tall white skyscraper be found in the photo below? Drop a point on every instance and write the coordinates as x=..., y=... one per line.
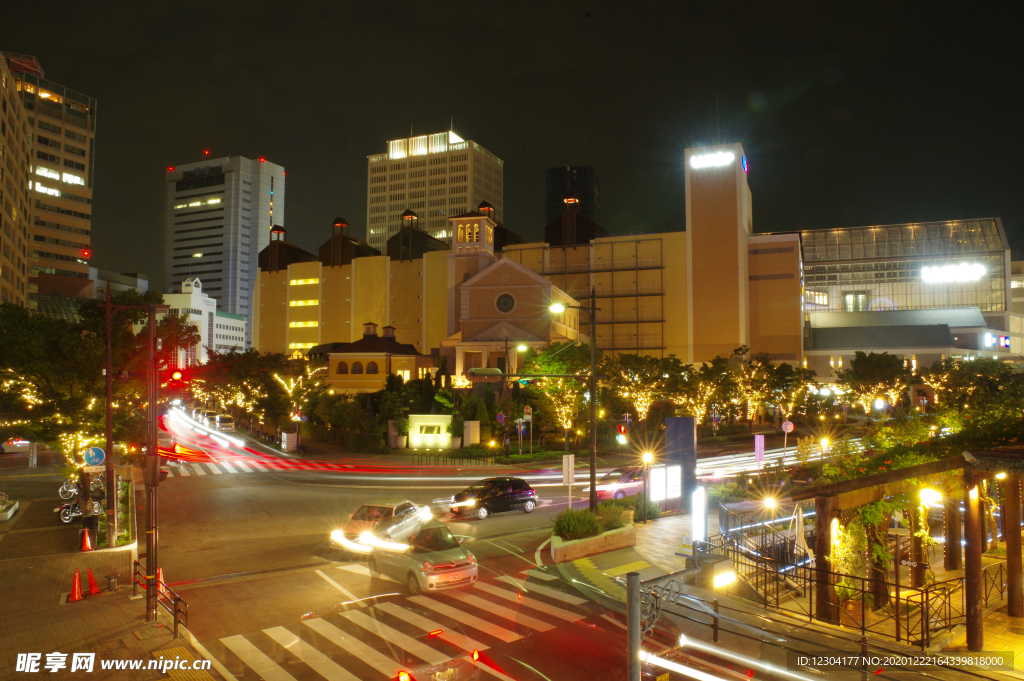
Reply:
x=435, y=175
x=217, y=219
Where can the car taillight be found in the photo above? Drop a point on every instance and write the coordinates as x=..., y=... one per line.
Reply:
x=427, y=566
x=476, y=655
x=404, y=676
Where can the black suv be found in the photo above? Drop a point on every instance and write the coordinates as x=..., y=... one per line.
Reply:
x=494, y=495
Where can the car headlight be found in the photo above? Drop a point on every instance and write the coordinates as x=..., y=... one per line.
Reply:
x=427, y=566
x=472, y=558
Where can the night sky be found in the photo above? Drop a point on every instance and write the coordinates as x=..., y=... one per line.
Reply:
x=860, y=114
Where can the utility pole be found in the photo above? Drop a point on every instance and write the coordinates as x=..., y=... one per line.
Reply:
x=152, y=471
x=508, y=414
x=593, y=399
x=112, y=491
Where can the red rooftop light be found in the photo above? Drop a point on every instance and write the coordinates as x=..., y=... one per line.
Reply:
x=170, y=168
x=262, y=160
x=206, y=152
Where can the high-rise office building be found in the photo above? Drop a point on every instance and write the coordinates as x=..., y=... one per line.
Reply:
x=581, y=182
x=15, y=136
x=437, y=176
x=217, y=218
x=62, y=125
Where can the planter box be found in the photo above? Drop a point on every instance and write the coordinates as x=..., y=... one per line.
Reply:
x=6, y=515
x=563, y=551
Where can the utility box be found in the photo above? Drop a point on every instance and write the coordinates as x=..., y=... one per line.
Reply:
x=289, y=442
x=471, y=433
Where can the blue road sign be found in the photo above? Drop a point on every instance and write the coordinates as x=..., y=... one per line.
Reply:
x=501, y=418
x=95, y=456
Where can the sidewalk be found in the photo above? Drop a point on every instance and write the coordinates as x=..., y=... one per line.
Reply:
x=38, y=558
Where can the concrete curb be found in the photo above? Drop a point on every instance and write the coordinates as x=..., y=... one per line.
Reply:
x=563, y=551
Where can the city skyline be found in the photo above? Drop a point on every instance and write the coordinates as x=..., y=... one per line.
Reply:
x=825, y=125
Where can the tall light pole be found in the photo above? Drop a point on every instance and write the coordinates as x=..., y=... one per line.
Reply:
x=558, y=308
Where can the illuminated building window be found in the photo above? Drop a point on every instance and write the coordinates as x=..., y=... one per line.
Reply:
x=302, y=325
x=816, y=297
x=46, y=172
x=300, y=282
x=300, y=346
x=72, y=179
x=303, y=303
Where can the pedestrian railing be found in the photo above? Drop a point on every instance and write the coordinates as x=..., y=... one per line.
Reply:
x=452, y=458
x=169, y=600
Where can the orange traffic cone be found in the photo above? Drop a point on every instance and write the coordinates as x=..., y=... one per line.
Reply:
x=76, y=588
x=94, y=589
x=86, y=545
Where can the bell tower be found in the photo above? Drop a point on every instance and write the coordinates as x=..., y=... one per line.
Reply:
x=472, y=252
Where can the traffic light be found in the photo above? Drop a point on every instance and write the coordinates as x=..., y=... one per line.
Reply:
x=175, y=375
x=621, y=437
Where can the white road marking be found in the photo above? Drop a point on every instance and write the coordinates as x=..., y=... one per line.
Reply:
x=417, y=620
x=243, y=466
x=320, y=663
x=544, y=591
x=183, y=470
x=257, y=661
x=536, y=554
x=469, y=620
x=348, y=642
x=198, y=469
x=493, y=672
x=407, y=643
x=533, y=603
x=501, y=611
x=216, y=471
x=361, y=569
x=337, y=586
x=228, y=467
x=537, y=574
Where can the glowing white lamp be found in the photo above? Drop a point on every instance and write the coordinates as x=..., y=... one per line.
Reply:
x=700, y=523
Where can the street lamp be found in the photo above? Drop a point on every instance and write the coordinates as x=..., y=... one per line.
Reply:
x=648, y=457
x=521, y=348
x=558, y=308
x=769, y=503
x=930, y=497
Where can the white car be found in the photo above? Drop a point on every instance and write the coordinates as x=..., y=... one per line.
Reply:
x=15, y=444
x=431, y=560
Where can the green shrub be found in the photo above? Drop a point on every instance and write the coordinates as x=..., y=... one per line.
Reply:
x=726, y=492
x=610, y=516
x=576, y=524
x=636, y=502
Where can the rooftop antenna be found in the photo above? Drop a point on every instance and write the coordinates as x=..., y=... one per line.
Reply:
x=451, y=124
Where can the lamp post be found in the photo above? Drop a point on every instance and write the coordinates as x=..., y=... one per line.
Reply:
x=647, y=462
x=769, y=503
x=559, y=308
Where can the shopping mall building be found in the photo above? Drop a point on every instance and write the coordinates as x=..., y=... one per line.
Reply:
x=921, y=291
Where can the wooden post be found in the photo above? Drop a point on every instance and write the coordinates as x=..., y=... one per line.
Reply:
x=954, y=555
x=974, y=604
x=1011, y=533
x=825, y=608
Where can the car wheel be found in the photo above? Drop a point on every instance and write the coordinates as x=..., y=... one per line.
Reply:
x=482, y=512
x=619, y=494
x=529, y=506
x=371, y=563
x=413, y=584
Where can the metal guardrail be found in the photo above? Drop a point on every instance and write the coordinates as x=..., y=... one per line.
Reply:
x=452, y=458
x=169, y=600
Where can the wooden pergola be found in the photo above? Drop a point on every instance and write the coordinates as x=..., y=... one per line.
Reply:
x=831, y=499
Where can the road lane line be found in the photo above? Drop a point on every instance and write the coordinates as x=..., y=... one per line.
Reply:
x=337, y=586
x=183, y=469
x=461, y=617
x=216, y=471
x=228, y=467
x=517, y=555
x=421, y=650
x=456, y=639
x=243, y=466
x=320, y=663
x=255, y=659
x=198, y=469
x=501, y=611
x=544, y=591
x=537, y=574
x=351, y=644
x=536, y=554
x=560, y=613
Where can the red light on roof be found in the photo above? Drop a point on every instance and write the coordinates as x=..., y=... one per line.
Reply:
x=170, y=168
x=283, y=173
x=206, y=152
x=86, y=252
x=262, y=160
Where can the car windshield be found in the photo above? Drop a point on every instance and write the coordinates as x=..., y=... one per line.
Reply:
x=226, y=419
x=434, y=539
x=481, y=486
x=615, y=475
x=373, y=513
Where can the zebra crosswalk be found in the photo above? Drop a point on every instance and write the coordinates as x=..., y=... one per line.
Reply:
x=188, y=469
x=441, y=636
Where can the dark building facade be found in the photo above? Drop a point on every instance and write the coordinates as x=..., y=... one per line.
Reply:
x=581, y=182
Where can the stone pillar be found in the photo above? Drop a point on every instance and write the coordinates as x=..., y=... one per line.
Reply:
x=974, y=605
x=825, y=608
x=1011, y=533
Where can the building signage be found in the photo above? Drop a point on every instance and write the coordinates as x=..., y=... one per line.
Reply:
x=713, y=160
x=1000, y=341
x=946, y=274
x=657, y=483
x=674, y=482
